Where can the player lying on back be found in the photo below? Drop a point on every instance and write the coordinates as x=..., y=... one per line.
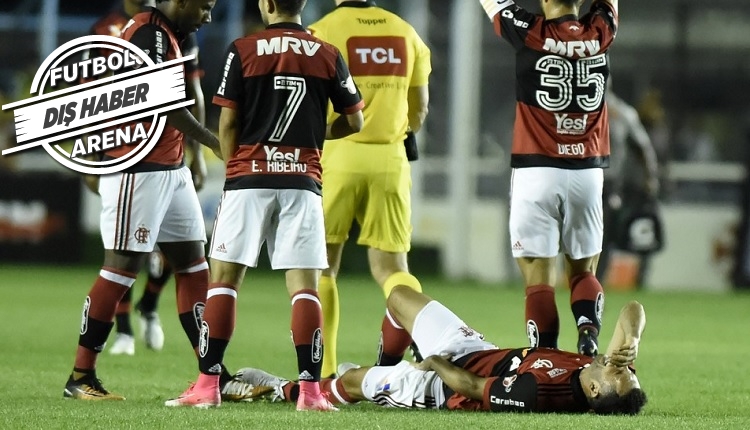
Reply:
x=462, y=371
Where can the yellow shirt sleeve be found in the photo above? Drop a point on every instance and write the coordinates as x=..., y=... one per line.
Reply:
x=422, y=64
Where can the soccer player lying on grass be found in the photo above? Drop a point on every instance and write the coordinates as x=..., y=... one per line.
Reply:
x=462, y=371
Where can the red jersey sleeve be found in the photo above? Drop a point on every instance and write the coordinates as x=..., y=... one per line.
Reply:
x=345, y=95
x=230, y=91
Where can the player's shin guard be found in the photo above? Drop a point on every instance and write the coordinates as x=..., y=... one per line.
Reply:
x=217, y=327
x=393, y=342
x=401, y=278
x=587, y=301
x=98, y=313
x=308, y=339
x=542, y=320
x=192, y=285
x=329, y=301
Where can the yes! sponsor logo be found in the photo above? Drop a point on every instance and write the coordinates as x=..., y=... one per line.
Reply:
x=568, y=125
x=98, y=103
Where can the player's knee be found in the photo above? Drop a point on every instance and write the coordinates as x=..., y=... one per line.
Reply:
x=582, y=266
x=384, y=264
x=397, y=279
x=538, y=271
x=352, y=382
x=396, y=296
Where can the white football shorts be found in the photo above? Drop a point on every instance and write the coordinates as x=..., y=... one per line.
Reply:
x=403, y=386
x=289, y=221
x=436, y=331
x=554, y=210
x=142, y=209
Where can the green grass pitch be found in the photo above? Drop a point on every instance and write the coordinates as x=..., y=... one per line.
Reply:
x=694, y=362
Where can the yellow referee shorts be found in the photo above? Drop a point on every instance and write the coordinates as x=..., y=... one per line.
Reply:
x=372, y=184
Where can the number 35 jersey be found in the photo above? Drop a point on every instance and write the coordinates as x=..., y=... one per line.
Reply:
x=280, y=81
x=562, y=68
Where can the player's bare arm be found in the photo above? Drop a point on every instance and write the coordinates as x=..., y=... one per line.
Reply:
x=198, y=163
x=459, y=380
x=419, y=99
x=345, y=125
x=198, y=167
x=229, y=131
x=183, y=120
x=623, y=348
x=493, y=7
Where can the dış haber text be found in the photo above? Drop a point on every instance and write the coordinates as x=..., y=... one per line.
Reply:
x=95, y=105
x=110, y=139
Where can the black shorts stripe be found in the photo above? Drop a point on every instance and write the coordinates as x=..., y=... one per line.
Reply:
x=129, y=207
x=124, y=206
x=385, y=399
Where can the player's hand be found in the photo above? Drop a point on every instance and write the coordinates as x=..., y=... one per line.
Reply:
x=625, y=355
x=424, y=365
x=199, y=171
x=217, y=153
x=92, y=183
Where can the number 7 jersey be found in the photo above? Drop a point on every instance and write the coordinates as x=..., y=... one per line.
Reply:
x=562, y=67
x=280, y=81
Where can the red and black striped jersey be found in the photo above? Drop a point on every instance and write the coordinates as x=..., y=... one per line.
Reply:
x=113, y=23
x=525, y=380
x=156, y=36
x=562, y=68
x=280, y=80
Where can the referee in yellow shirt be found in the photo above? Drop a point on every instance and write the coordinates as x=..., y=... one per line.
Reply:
x=367, y=176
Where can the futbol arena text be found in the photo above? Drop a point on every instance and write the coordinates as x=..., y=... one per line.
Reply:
x=102, y=103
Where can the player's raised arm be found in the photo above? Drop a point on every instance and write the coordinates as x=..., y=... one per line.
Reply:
x=612, y=3
x=623, y=348
x=493, y=7
x=459, y=380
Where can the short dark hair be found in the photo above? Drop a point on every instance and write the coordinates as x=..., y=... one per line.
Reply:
x=290, y=7
x=612, y=404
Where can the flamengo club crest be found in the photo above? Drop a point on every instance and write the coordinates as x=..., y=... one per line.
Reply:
x=81, y=101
